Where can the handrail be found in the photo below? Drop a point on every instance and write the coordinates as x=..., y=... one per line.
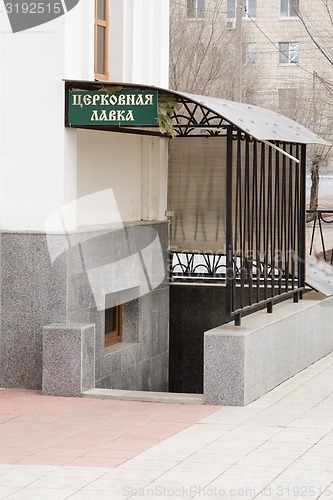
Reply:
x=319, y=217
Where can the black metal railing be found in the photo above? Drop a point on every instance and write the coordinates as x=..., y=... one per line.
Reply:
x=263, y=259
x=319, y=219
x=266, y=203
x=205, y=266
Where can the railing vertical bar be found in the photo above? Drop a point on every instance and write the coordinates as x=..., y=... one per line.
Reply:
x=276, y=219
x=248, y=247
x=302, y=217
x=284, y=220
x=229, y=221
x=296, y=214
x=243, y=246
x=238, y=250
x=255, y=220
x=262, y=214
x=277, y=249
x=270, y=219
x=290, y=222
x=238, y=214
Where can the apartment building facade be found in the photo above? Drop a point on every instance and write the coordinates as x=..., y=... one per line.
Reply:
x=274, y=54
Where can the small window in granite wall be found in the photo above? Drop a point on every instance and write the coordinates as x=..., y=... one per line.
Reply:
x=113, y=326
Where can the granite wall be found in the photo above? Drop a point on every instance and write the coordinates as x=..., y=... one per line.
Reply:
x=33, y=294
x=243, y=363
x=58, y=279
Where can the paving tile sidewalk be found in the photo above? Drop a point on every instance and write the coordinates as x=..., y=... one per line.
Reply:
x=280, y=446
x=42, y=430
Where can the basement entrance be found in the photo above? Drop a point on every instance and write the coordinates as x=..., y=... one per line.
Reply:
x=236, y=206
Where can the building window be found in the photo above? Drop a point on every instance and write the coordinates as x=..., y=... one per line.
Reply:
x=249, y=53
x=289, y=52
x=289, y=8
x=287, y=99
x=101, y=39
x=196, y=9
x=249, y=8
x=113, y=326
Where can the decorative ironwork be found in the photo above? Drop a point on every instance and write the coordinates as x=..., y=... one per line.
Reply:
x=187, y=265
x=265, y=223
x=192, y=117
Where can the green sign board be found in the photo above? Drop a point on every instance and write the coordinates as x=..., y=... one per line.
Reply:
x=122, y=107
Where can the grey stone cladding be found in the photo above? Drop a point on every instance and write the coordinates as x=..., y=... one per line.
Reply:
x=48, y=280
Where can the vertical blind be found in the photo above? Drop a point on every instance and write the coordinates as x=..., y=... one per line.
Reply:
x=196, y=193
x=265, y=199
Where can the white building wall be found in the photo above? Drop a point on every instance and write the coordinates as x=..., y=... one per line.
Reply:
x=79, y=32
x=39, y=156
x=139, y=41
x=33, y=146
x=133, y=166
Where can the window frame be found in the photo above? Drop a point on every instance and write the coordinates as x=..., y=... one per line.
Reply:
x=282, y=53
x=250, y=53
x=292, y=10
x=115, y=336
x=104, y=23
x=196, y=10
x=246, y=9
x=232, y=6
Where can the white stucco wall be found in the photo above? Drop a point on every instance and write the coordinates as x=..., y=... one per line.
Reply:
x=32, y=133
x=133, y=166
x=139, y=41
x=38, y=154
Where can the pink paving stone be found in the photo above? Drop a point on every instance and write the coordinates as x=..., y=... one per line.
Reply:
x=124, y=445
x=10, y=459
x=97, y=462
x=15, y=451
x=107, y=453
x=33, y=460
x=60, y=452
x=42, y=430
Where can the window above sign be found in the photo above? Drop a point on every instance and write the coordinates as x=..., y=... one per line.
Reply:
x=289, y=8
x=101, y=39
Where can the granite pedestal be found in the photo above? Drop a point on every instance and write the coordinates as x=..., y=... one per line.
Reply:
x=68, y=359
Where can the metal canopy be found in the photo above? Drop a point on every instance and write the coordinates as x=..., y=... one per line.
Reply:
x=212, y=113
x=260, y=123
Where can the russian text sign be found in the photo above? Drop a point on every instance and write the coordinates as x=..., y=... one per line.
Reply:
x=122, y=107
